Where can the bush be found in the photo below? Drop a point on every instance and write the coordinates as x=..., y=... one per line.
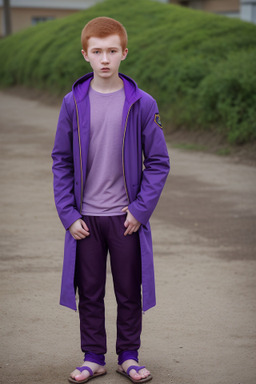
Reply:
x=228, y=95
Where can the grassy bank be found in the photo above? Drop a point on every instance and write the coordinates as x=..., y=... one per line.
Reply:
x=200, y=67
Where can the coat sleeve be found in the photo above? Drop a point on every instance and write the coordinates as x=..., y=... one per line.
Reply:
x=63, y=169
x=156, y=165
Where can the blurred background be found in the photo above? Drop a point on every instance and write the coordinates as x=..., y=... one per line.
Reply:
x=19, y=14
x=197, y=58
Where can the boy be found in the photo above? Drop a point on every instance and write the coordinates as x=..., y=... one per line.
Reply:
x=105, y=198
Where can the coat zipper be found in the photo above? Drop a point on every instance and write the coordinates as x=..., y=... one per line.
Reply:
x=126, y=121
x=80, y=152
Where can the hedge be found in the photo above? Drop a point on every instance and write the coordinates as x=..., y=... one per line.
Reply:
x=199, y=66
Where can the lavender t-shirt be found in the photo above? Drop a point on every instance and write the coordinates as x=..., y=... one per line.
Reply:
x=104, y=193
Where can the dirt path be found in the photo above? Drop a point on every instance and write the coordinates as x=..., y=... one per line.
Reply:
x=203, y=329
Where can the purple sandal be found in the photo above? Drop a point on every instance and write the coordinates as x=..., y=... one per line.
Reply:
x=92, y=375
x=136, y=368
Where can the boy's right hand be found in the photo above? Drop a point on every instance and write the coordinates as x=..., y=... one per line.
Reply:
x=79, y=230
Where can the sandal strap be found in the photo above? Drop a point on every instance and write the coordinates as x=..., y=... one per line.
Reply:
x=84, y=368
x=135, y=367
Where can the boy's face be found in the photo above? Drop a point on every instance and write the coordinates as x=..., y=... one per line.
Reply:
x=105, y=55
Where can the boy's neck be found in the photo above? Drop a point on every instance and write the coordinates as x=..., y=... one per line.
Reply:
x=108, y=85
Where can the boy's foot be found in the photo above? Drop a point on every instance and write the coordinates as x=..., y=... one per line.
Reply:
x=136, y=375
x=93, y=370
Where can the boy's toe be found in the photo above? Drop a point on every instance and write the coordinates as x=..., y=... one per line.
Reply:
x=134, y=375
x=81, y=376
x=144, y=373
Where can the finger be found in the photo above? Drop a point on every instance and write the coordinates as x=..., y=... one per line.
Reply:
x=82, y=232
x=126, y=223
x=126, y=232
x=84, y=226
x=79, y=236
x=125, y=209
x=129, y=230
x=134, y=229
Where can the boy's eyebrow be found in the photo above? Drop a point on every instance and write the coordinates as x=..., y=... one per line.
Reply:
x=104, y=47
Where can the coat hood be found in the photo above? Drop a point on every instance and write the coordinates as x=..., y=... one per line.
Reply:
x=81, y=87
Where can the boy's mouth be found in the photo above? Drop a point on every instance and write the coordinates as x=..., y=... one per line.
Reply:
x=105, y=69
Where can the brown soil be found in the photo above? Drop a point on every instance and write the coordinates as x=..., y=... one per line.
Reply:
x=203, y=328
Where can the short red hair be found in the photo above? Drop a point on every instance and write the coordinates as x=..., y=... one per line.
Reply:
x=103, y=27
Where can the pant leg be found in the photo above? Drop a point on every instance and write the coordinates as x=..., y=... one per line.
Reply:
x=126, y=270
x=90, y=279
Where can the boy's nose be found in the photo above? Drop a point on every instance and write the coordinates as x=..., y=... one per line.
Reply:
x=105, y=58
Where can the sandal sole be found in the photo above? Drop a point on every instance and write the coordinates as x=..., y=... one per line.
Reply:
x=150, y=377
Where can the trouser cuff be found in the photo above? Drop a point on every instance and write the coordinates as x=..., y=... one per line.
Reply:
x=127, y=355
x=94, y=358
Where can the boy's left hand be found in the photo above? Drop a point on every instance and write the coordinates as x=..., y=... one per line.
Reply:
x=131, y=224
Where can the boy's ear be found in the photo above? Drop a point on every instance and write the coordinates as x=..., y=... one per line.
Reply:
x=85, y=55
x=125, y=53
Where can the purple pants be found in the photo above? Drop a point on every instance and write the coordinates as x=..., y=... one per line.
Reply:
x=107, y=234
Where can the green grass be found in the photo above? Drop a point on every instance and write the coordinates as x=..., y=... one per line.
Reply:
x=200, y=67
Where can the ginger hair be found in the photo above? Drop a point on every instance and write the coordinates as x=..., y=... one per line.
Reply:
x=101, y=27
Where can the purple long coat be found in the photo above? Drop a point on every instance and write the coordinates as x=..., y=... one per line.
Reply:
x=143, y=139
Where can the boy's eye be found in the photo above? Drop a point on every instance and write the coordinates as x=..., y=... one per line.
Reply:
x=113, y=50
x=96, y=52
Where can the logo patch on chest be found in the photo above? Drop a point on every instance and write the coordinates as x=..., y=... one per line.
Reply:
x=157, y=120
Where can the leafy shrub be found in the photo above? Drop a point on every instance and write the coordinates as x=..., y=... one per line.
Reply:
x=228, y=95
